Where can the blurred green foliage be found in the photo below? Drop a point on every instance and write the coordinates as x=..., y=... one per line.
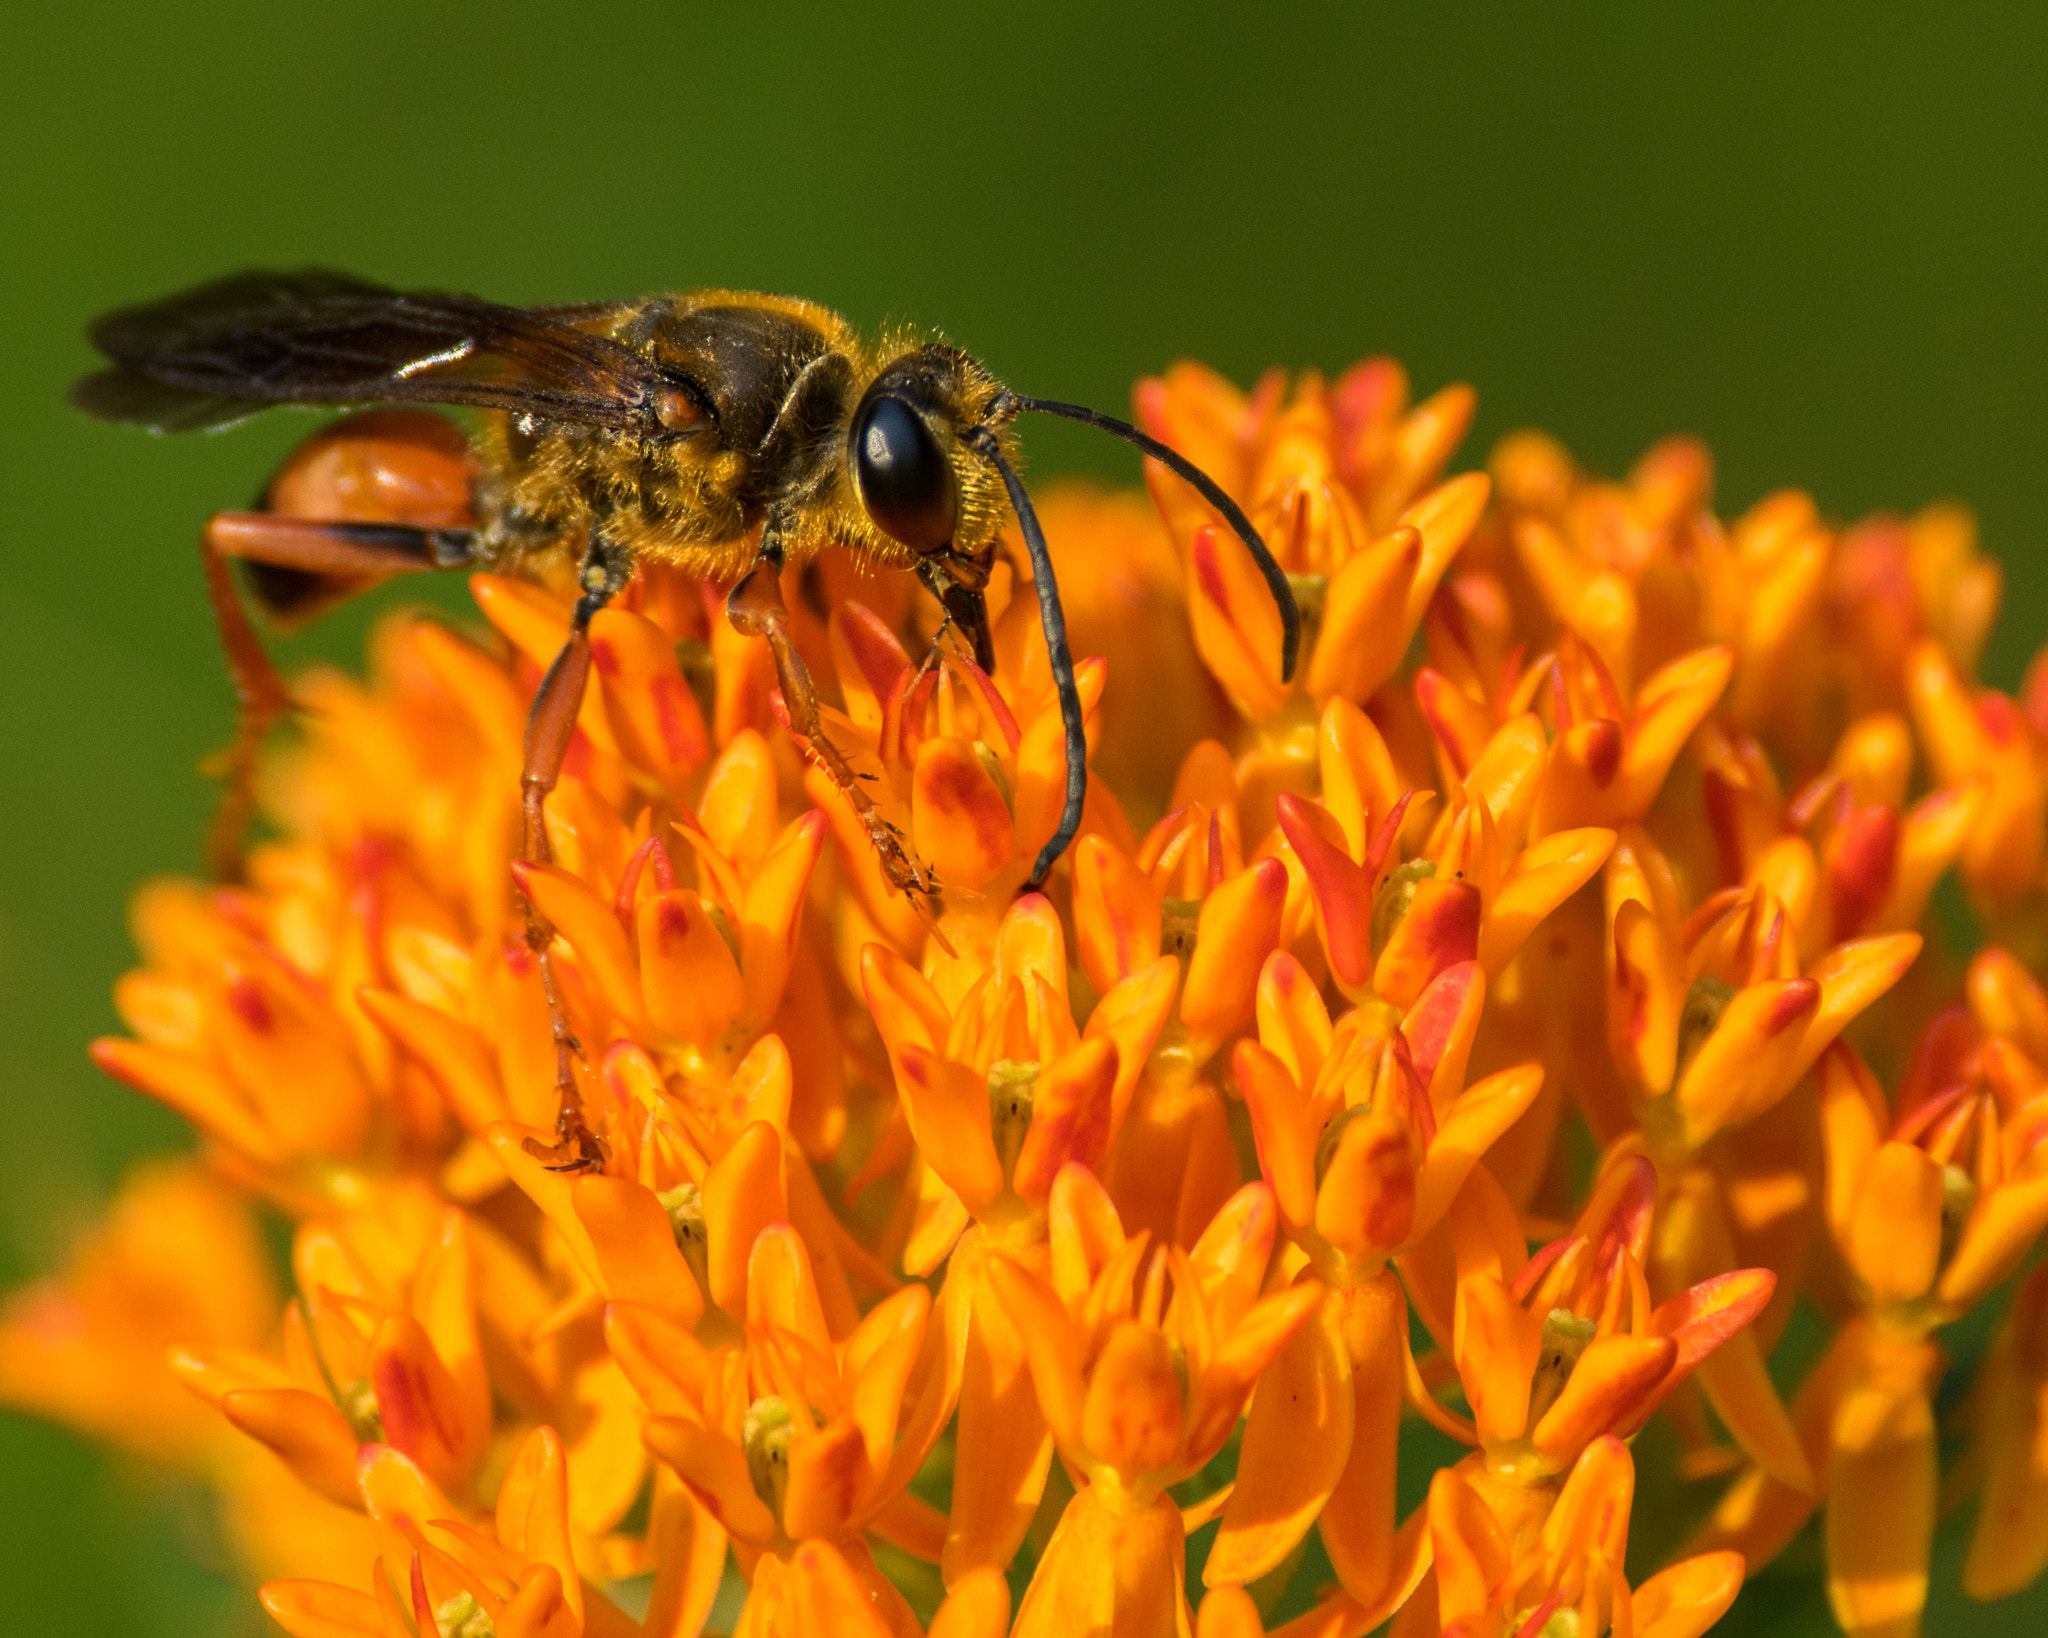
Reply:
x=1813, y=235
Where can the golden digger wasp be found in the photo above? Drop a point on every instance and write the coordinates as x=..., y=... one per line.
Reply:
x=722, y=432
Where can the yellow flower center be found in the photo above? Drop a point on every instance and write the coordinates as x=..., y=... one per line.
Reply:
x=1958, y=1200
x=463, y=1617
x=1391, y=903
x=685, y=1207
x=1698, y=1018
x=358, y=1402
x=1011, y=1083
x=1565, y=1336
x=765, y=1436
x=1178, y=920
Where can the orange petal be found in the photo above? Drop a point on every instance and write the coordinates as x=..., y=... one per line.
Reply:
x=417, y=1399
x=773, y=910
x=592, y=928
x=1106, y=1572
x=1294, y=1024
x=1131, y=1414
x=453, y=1054
x=1668, y=707
x=1365, y=1204
x=1228, y=1612
x=688, y=978
x=1471, y=1549
x=1461, y=724
x=1236, y=626
x=1741, y=1069
x=1365, y=628
x=947, y=1104
x=782, y=1288
x=1238, y=928
x=2009, y=1547
x=1343, y=892
x=1447, y=515
x=532, y=1512
x=636, y=1247
x=1497, y=1345
x=1439, y=1029
x=879, y=1357
x=2001, y=1228
x=1241, y=1356
x=312, y=1438
x=1360, y=785
x=743, y=1193
x=976, y=1606
x=1482, y=1113
x=1130, y=1016
x=1707, y=1315
x=1439, y=930
x=1687, y=1599
x=193, y=1089
x=1894, y=1241
x=1116, y=914
x=1070, y=1117
x=828, y=1473
x=649, y=705
x=1645, y=998
x=1297, y=1438
x=395, y=1491
x=958, y=819
x=1879, y=1522
x=1358, y=1524
x=738, y=808
x=1049, y=1342
x=715, y=1467
x=1282, y=1128
x=1607, y=1384
x=1542, y=877
x=668, y=1367
x=1018, y=1341
x=319, y=1609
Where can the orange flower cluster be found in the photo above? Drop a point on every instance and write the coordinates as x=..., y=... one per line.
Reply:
x=1418, y=1076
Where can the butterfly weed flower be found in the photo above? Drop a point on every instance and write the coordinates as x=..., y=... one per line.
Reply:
x=1503, y=1021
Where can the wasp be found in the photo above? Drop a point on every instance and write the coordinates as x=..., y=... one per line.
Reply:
x=723, y=432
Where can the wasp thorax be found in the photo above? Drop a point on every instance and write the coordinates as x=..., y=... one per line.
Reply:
x=905, y=481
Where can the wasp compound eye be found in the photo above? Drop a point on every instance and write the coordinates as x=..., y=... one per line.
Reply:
x=906, y=483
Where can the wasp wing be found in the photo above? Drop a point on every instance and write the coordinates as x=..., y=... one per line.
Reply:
x=217, y=354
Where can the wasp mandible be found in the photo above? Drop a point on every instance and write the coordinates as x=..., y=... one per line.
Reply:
x=723, y=432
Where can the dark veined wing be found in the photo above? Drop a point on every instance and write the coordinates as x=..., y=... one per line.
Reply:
x=217, y=354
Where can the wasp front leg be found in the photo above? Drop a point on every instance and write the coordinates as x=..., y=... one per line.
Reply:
x=755, y=608
x=550, y=723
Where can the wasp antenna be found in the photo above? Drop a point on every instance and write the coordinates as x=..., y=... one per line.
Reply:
x=1053, y=618
x=1212, y=492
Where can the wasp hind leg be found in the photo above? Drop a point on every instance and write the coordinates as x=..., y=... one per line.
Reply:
x=755, y=608
x=309, y=553
x=550, y=723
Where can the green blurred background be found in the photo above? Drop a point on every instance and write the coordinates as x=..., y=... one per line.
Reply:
x=1813, y=234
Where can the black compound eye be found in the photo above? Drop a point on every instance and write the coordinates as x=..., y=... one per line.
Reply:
x=906, y=482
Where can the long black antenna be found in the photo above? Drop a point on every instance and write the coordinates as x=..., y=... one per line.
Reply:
x=1211, y=491
x=1053, y=618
